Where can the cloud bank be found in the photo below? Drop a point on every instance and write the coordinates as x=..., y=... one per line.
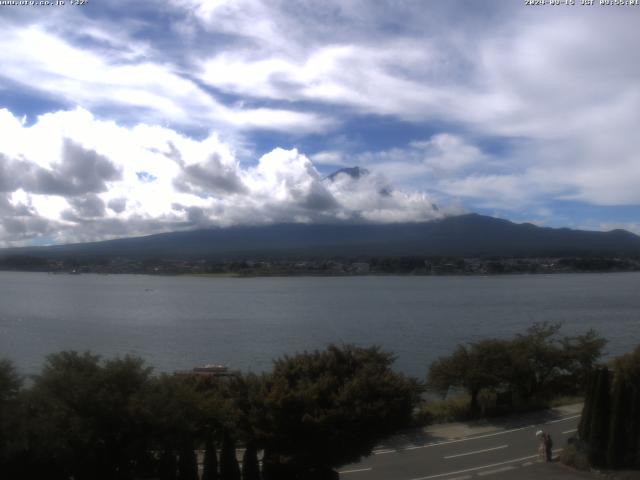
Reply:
x=229, y=111
x=124, y=181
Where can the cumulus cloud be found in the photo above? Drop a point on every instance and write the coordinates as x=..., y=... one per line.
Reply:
x=564, y=111
x=114, y=180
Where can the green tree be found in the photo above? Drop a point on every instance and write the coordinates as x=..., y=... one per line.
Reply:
x=173, y=414
x=187, y=463
x=584, y=427
x=10, y=384
x=81, y=416
x=328, y=408
x=538, y=359
x=250, y=465
x=581, y=354
x=229, y=468
x=618, y=424
x=473, y=367
x=599, y=428
x=210, y=466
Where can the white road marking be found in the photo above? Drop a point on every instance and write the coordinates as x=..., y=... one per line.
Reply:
x=570, y=431
x=496, y=470
x=562, y=419
x=466, y=439
x=476, y=451
x=476, y=468
x=527, y=464
x=382, y=452
x=482, y=467
x=355, y=471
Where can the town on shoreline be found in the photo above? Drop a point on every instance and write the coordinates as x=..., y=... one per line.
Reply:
x=323, y=267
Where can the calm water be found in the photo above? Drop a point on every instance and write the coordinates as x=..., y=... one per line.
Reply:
x=180, y=322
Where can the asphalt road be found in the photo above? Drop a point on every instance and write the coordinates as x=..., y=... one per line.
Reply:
x=480, y=455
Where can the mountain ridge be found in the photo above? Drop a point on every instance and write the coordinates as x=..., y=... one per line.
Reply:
x=469, y=235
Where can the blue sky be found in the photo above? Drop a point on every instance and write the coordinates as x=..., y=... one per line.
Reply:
x=127, y=118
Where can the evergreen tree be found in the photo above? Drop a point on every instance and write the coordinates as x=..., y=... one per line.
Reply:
x=617, y=425
x=188, y=463
x=210, y=467
x=584, y=428
x=599, y=428
x=633, y=431
x=229, y=468
x=250, y=465
x=167, y=466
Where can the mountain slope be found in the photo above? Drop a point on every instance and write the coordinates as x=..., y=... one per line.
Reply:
x=464, y=235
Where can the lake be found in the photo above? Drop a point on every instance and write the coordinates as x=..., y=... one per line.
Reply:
x=180, y=322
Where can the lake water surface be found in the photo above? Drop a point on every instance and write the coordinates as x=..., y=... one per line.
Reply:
x=180, y=322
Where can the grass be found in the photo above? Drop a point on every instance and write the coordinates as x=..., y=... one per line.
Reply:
x=457, y=408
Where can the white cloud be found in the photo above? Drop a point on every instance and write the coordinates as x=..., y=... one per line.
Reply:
x=72, y=177
x=569, y=107
x=160, y=91
x=553, y=89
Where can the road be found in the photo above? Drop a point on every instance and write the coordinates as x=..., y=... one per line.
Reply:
x=510, y=447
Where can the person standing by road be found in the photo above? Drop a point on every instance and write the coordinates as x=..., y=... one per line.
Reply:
x=548, y=447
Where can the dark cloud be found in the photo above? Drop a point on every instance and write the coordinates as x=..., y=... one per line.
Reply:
x=118, y=205
x=20, y=228
x=8, y=175
x=212, y=177
x=88, y=206
x=80, y=172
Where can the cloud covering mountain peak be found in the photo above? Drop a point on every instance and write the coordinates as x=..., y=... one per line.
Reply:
x=120, y=180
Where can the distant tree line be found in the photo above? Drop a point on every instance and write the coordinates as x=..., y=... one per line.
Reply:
x=609, y=430
x=85, y=418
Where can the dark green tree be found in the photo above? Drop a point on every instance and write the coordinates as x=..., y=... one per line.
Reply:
x=10, y=384
x=618, y=424
x=599, y=428
x=168, y=465
x=210, y=466
x=538, y=359
x=229, y=468
x=581, y=354
x=329, y=408
x=250, y=465
x=187, y=463
x=584, y=427
x=481, y=365
x=81, y=418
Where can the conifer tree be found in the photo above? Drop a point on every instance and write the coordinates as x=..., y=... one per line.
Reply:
x=584, y=428
x=617, y=426
x=188, y=463
x=210, y=467
x=229, y=468
x=600, y=420
x=633, y=430
x=250, y=465
x=168, y=466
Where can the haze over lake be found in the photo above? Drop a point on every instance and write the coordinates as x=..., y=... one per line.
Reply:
x=180, y=322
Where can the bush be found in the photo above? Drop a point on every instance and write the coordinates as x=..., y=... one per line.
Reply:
x=450, y=410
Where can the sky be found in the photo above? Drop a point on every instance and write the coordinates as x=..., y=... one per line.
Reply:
x=125, y=118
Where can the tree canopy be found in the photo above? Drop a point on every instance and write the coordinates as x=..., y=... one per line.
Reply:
x=534, y=364
x=328, y=408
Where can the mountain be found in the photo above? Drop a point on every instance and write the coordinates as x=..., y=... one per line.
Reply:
x=469, y=235
x=353, y=172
